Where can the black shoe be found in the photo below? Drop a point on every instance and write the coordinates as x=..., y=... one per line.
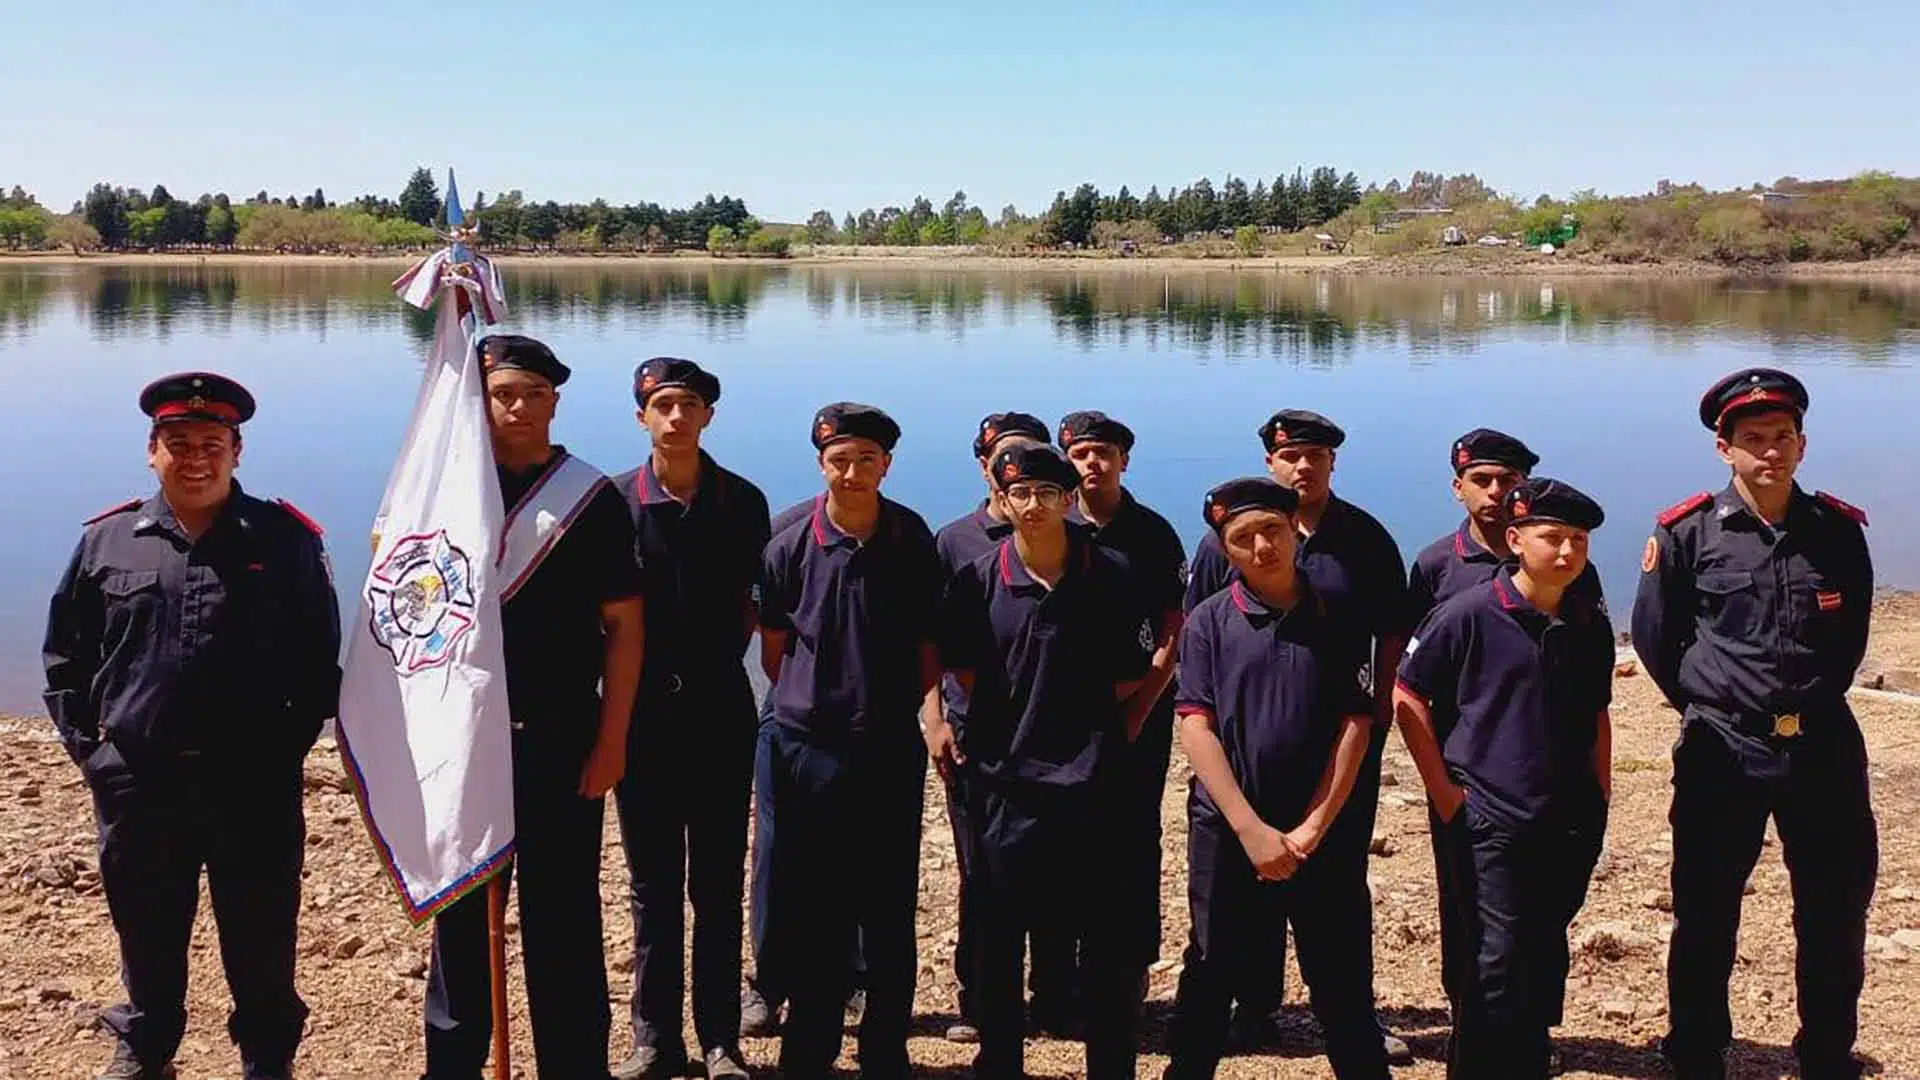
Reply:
x=723, y=1063
x=1694, y=1066
x=856, y=1010
x=963, y=1031
x=648, y=1063
x=1252, y=1029
x=757, y=1019
x=1057, y=1019
x=1398, y=1052
x=125, y=1066
x=283, y=1071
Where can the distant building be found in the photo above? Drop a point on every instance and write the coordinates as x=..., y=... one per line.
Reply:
x=1775, y=196
x=1663, y=189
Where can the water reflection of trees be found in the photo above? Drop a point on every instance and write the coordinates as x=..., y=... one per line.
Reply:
x=1318, y=319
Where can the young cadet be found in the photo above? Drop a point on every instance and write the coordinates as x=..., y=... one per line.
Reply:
x=683, y=803
x=1752, y=619
x=573, y=628
x=1356, y=569
x=1043, y=634
x=1276, y=724
x=191, y=657
x=1099, y=448
x=848, y=598
x=958, y=543
x=1502, y=699
x=1486, y=464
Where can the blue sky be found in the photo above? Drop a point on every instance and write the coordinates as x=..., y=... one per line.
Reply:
x=847, y=105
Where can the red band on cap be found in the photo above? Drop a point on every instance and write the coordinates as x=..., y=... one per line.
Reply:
x=1757, y=396
x=217, y=410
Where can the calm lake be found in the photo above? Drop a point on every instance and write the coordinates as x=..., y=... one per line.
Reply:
x=1601, y=377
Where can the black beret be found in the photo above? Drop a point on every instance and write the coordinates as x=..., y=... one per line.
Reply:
x=1542, y=499
x=662, y=372
x=499, y=351
x=1034, y=463
x=1290, y=426
x=1751, y=390
x=850, y=420
x=1094, y=426
x=997, y=426
x=1247, y=493
x=1485, y=446
x=197, y=395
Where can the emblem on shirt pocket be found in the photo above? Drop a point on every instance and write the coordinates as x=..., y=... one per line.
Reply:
x=1829, y=600
x=421, y=600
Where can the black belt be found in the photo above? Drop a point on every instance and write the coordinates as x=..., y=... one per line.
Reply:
x=1785, y=726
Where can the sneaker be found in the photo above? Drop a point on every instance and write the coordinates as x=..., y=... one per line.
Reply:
x=962, y=1031
x=757, y=1020
x=856, y=1009
x=650, y=1063
x=723, y=1063
x=125, y=1066
x=1398, y=1052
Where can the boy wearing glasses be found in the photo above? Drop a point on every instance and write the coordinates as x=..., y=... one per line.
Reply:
x=1042, y=633
x=849, y=591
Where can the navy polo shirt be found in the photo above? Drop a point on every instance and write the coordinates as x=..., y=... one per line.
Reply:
x=699, y=563
x=1044, y=662
x=1280, y=684
x=1152, y=549
x=1457, y=562
x=857, y=615
x=1350, y=560
x=1515, y=696
x=958, y=543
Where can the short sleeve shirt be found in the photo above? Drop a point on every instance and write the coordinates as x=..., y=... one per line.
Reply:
x=1457, y=562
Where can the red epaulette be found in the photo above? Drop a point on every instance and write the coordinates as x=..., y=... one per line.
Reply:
x=1684, y=507
x=1858, y=515
x=121, y=508
x=312, y=525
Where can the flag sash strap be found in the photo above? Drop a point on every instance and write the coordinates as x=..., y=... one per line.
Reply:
x=535, y=524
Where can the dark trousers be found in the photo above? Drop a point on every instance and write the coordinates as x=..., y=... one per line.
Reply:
x=1326, y=901
x=1049, y=861
x=1266, y=981
x=683, y=823
x=557, y=864
x=965, y=930
x=1145, y=770
x=1725, y=786
x=1515, y=891
x=157, y=830
x=844, y=854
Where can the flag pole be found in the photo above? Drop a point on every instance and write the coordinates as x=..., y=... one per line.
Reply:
x=497, y=961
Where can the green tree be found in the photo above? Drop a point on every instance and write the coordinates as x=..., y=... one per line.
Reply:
x=820, y=227
x=73, y=232
x=720, y=238
x=420, y=199
x=23, y=226
x=1375, y=208
x=105, y=209
x=221, y=228
x=1246, y=239
x=144, y=226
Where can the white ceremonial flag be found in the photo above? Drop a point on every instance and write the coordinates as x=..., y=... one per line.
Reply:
x=423, y=724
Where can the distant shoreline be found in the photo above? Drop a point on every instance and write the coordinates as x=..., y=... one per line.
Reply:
x=1496, y=263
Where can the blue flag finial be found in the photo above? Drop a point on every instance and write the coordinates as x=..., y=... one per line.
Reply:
x=454, y=218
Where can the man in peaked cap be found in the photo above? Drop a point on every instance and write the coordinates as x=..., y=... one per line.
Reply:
x=1752, y=617
x=191, y=658
x=1355, y=566
x=1503, y=699
x=849, y=587
x=700, y=533
x=1042, y=632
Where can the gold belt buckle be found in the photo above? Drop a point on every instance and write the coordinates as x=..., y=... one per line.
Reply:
x=1786, y=725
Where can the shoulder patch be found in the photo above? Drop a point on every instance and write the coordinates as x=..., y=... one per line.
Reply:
x=1858, y=515
x=120, y=508
x=1684, y=507
x=312, y=525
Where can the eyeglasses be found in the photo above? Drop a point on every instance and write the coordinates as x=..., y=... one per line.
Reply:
x=1046, y=495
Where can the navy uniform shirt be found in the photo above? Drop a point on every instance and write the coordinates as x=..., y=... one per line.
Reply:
x=1351, y=561
x=1515, y=695
x=1748, y=618
x=1151, y=547
x=699, y=563
x=857, y=615
x=1457, y=562
x=1044, y=662
x=958, y=543
x=551, y=629
x=224, y=644
x=1280, y=685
